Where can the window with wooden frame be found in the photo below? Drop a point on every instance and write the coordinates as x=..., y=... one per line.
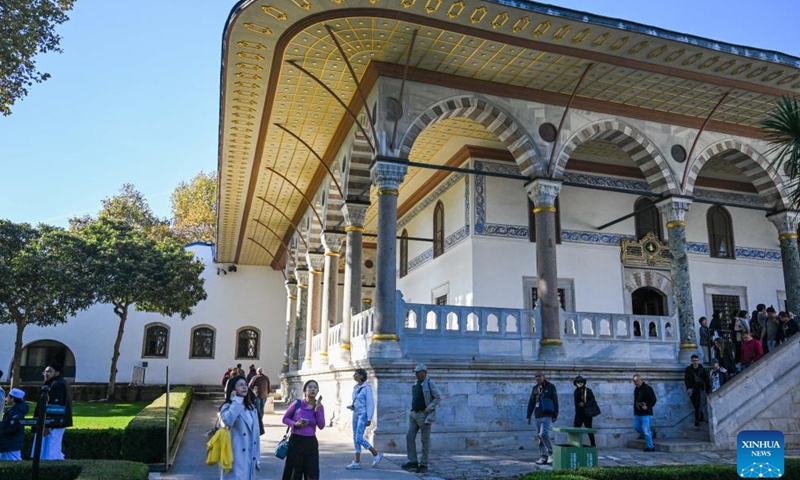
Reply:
x=720, y=233
x=247, y=342
x=156, y=341
x=404, y=253
x=438, y=229
x=202, y=342
x=647, y=219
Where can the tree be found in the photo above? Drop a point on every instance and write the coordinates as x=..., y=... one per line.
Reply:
x=137, y=261
x=782, y=130
x=27, y=28
x=194, y=208
x=44, y=279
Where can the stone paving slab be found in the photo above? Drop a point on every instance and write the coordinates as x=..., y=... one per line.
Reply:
x=336, y=452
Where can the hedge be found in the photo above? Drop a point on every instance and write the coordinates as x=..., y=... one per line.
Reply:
x=671, y=472
x=76, y=470
x=91, y=444
x=144, y=438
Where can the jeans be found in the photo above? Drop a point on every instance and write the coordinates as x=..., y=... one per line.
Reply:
x=359, y=427
x=543, y=434
x=260, y=402
x=416, y=422
x=772, y=344
x=641, y=423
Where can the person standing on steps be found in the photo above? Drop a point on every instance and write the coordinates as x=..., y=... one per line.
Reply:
x=644, y=399
x=363, y=408
x=583, y=397
x=695, y=378
x=425, y=397
x=543, y=405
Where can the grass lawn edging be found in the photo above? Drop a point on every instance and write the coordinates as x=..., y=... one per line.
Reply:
x=667, y=472
x=76, y=470
x=144, y=439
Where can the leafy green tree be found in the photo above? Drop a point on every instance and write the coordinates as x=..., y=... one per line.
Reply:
x=43, y=279
x=782, y=130
x=194, y=208
x=27, y=28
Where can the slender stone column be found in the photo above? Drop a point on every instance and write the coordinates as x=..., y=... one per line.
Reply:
x=354, y=217
x=301, y=274
x=387, y=177
x=315, y=263
x=330, y=296
x=674, y=210
x=543, y=193
x=786, y=223
x=291, y=306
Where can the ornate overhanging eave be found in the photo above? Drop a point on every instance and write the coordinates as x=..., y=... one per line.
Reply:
x=519, y=45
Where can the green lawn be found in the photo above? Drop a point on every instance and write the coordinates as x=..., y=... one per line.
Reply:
x=105, y=415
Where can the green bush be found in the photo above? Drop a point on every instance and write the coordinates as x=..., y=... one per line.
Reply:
x=144, y=438
x=76, y=470
x=85, y=444
x=671, y=472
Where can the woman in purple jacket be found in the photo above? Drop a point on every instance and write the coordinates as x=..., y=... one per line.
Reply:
x=304, y=416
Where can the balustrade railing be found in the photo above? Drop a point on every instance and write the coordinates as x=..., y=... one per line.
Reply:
x=362, y=323
x=334, y=336
x=316, y=344
x=619, y=327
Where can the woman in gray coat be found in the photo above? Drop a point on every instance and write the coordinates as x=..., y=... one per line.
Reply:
x=240, y=415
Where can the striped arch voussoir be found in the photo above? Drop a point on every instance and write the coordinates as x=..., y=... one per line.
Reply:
x=508, y=130
x=641, y=150
x=358, y=180
x=755, y=167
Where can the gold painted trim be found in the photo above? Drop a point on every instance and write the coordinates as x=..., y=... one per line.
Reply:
x=294, y=361
x=292, y=297
x=544, y=209
x=389, y=191
x=323, y=354
x=787, y=236
x=345, y=346
x=331, y=254
x=688, y=346
x=315, y=272
x=366, y=300
x=385, y=337
x=676, y=223
x=285, y=364
x=551, y=341
x=354, y=229
x=302, y=285
x=308, y=359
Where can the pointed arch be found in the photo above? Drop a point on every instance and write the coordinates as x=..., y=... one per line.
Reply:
x=641, y=150
x=493, y=118
x=755, y=167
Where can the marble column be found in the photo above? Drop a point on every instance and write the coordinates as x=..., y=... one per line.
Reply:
x=301, y=274
x=291, y=307
x=674, y=209
x=330, y=295
x=543, y=193
x=354, y=214
x=387, y=178
x=315, y=266
x=786, y=223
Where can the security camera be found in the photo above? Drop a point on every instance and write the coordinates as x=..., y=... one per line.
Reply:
x=231, y=268
x=222, y=271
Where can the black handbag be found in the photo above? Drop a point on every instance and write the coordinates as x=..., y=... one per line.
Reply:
x=590, y=409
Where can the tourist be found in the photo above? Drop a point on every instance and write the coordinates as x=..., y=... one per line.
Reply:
x=238, y=371
x=705, y=338
x=543, y=405
x=251, y=372
x=758, y=321
x=239, y=414
x=695, y=378
x=425, y=397
x=59, y=408
x=304, y=417
x=741, y=325
x=227, y=376
x=644, y=399
x=260, y=387
x=584, y=397
x=769, y=337
x=722, y=352
x=2, y=392
x=716, y=324
x=363, y=408
x=787, y=327
x=12, y=432
x=751, y=350
x=717, y=376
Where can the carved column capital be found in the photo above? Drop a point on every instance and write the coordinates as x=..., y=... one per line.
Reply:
x=332, y=243
x=786, y=223
x=301, y=274
x=543, y=193
x=674, y=210
x=387, y=176
x=316, y=262
x=291, y=289
x=354, y=214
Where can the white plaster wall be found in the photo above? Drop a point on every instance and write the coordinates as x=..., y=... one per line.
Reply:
x=251, y=296
x=422, y=224
x=750, y=227
x=452, y=269
x=499, y=266
x=584, y=209
x=506, y=201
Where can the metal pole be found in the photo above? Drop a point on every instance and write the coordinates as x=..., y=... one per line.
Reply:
x=166, y=457
x=39, y=430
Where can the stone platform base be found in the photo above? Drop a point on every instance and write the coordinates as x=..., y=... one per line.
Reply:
x=675, y=445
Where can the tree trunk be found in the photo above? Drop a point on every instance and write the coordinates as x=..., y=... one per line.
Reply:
x=122, y=313
x=17, y=354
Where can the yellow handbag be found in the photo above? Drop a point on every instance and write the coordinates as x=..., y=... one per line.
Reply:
x=219, y=449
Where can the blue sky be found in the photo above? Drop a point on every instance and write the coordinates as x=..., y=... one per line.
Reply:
x=135, y=95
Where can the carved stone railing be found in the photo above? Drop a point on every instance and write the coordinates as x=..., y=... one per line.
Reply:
x=334, y=336
x=316, y=344
x=361, y=330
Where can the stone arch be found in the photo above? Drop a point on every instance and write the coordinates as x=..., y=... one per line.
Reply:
x=494, y=119
x=333, y=200
x=38, y=354
x=641, y=150
x=755, y=167
x=635, y=280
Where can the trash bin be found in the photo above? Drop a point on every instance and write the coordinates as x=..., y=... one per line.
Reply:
x=574, y=454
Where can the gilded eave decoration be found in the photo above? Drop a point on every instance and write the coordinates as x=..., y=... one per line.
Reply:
x=649, y=251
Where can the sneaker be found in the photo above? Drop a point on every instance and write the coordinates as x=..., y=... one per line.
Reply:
x=549, y=459
x=422, y=469
x=377, y=459
x=649, y=449
x=541, y=461
x=353, y=466
x=409, y=466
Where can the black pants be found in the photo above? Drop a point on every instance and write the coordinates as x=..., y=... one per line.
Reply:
x=584, y=421
x=697, y=395
x=302, y=461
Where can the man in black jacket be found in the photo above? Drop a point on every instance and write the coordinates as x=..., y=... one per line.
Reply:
x=59, y=408
x=543, y=404
x=696, y=380
x=644, y=399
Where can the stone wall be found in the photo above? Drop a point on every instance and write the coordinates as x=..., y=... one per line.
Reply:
x=764, y=397
x=484, y=405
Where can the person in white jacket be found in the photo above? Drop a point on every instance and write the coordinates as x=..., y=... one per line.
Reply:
x=363, y=408
x=240, y=414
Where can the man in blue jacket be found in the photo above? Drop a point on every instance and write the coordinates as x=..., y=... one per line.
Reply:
x=12, y=433
x=543, y=405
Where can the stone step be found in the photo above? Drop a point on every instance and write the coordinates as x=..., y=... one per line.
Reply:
x=675, y=445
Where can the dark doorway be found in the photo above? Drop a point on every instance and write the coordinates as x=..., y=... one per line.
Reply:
x=39, y=354
x=649, y=301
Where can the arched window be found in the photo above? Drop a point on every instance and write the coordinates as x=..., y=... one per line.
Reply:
x=438, y=230
x=532, y=221
x=156, y=341
x=720, y=232
x=404, y=253
x=247, y=341
x=647, y=218
x=202, y=342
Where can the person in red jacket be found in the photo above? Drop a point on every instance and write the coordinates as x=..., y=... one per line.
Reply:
x=751, y=350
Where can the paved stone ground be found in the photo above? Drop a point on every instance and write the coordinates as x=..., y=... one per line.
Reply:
x=336, y=453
